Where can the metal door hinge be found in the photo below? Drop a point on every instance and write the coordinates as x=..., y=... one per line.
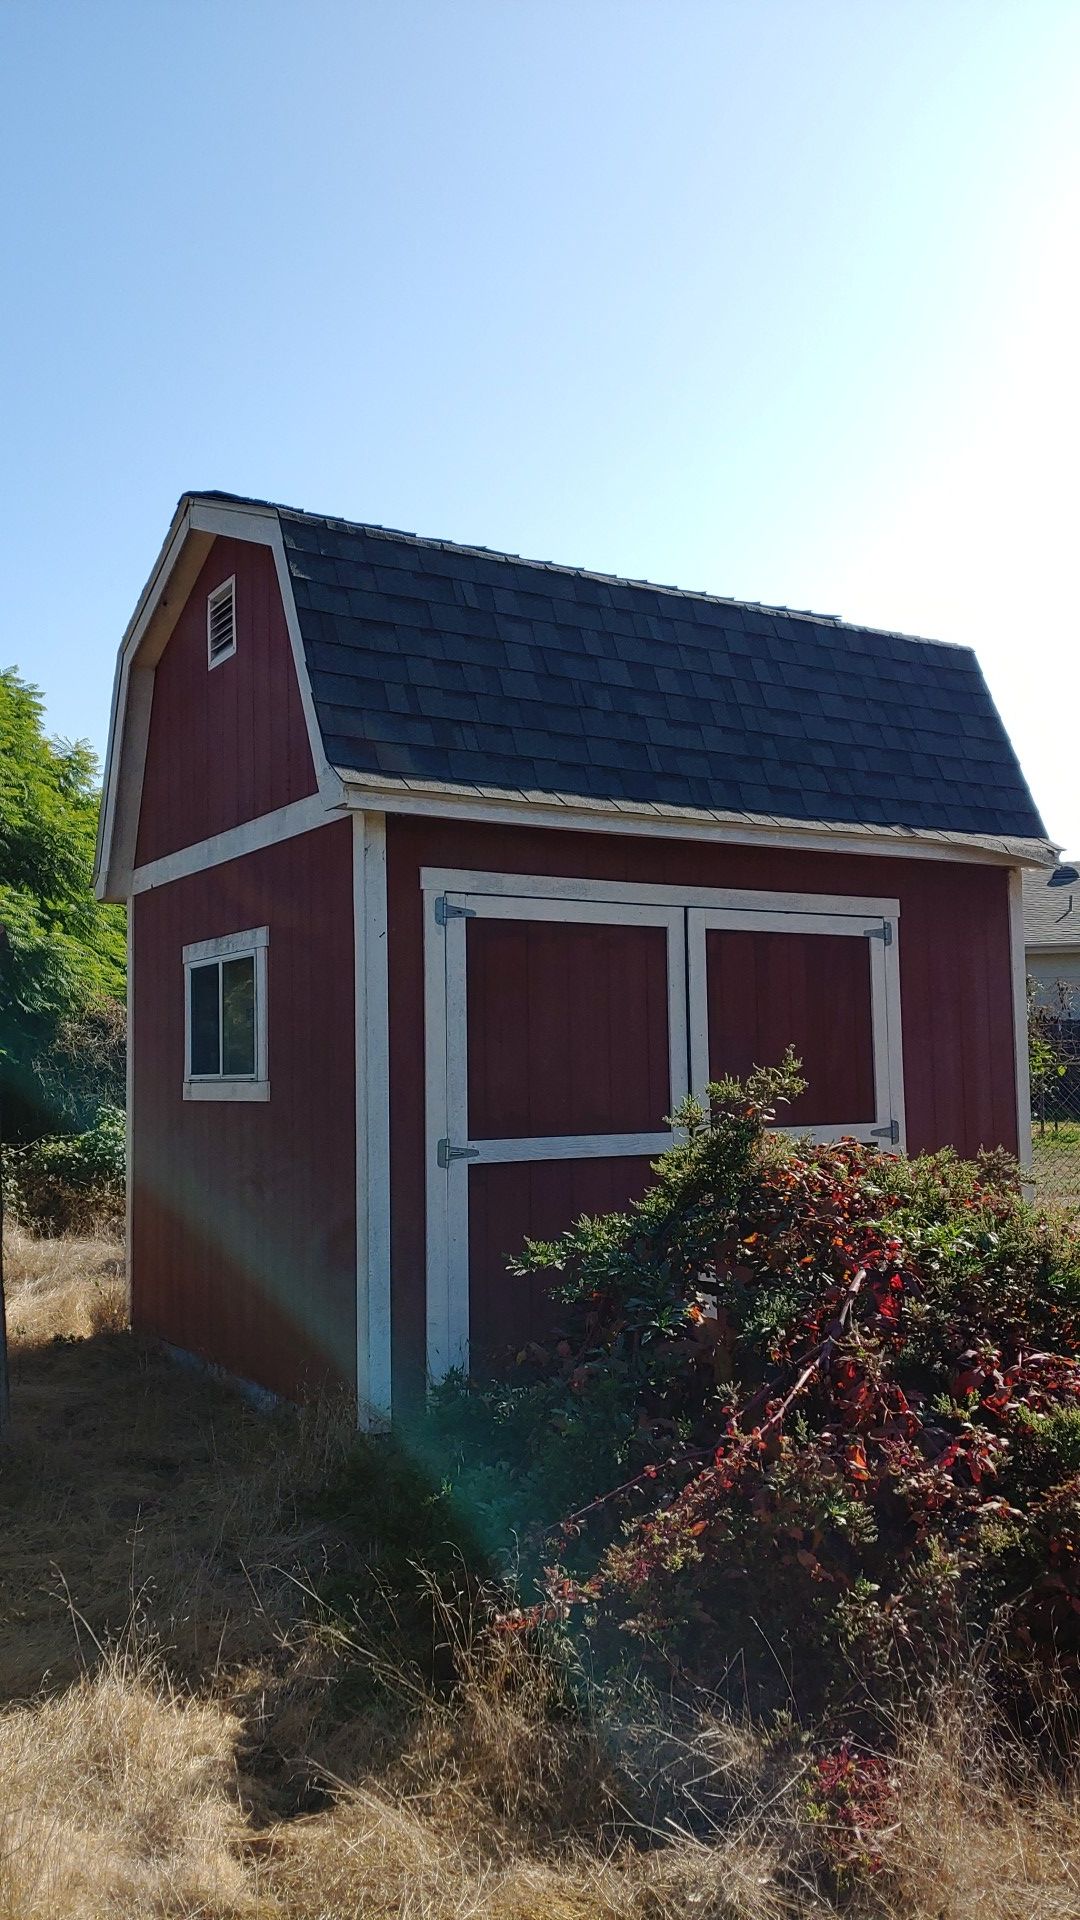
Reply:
x=882, y=933
x=449, y=910
x=891, y=1132
x=445, y=1153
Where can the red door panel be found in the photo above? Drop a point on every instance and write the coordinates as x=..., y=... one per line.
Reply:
x=568, y=1029
x=533, y=1199
x=812, y=991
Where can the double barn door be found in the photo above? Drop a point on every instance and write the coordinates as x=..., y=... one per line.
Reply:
x=565, y=1020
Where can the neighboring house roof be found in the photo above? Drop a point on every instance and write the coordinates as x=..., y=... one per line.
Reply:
x=455, y=664
x=1051, y=915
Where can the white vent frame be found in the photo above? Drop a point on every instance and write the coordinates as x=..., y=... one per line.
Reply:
x=224, y=594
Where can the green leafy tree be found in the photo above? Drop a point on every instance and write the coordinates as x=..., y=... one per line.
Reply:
x=64, y=959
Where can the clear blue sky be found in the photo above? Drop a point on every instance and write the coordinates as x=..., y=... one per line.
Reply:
x=778, y=299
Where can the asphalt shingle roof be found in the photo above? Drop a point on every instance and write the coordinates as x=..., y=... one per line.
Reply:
x=455, y=664
x=1051, y=914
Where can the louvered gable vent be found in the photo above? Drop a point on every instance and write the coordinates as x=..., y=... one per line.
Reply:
x=221, y=622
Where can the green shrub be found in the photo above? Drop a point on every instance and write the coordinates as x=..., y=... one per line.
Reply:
x=813, y=1413
x=62, y=957
x=70, y=1184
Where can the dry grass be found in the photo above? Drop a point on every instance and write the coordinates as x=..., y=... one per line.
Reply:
x=132, y=1487
x=117, y=1797
x=69, y=1289
x=970, y=1840
x=171, y=1744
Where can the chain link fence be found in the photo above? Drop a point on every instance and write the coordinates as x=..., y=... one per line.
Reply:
x=1054, y=1048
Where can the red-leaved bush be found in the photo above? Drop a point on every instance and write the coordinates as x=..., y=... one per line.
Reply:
x=833, y=1400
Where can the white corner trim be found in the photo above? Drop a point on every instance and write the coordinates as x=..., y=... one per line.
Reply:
x=129, y=1114
x=527, y=886
x=372, y=1077
x=300, y=816
x=1020, y=1023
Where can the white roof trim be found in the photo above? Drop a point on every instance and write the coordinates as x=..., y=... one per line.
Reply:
x=196, y=523
x=386, y=794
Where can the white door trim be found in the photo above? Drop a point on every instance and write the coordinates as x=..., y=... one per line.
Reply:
x=1018, y=961
x=888, y=1125
x=451, y=896
x=446, y=1061
x=528, y=886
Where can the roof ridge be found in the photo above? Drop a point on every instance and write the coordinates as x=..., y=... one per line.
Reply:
x=334, y=522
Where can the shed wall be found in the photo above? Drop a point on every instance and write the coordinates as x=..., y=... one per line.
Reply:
x=229, y=743
x=955, y=974
x=243, y=1214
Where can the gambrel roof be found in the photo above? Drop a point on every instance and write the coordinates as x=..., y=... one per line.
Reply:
x=440, y=676
x=452, y=663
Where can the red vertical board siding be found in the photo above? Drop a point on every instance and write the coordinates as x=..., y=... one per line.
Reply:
x=565, y=1035
x=243, y=1213
x=955, y=978
x=532, y=1199
x=226, y=743
x=768, y=991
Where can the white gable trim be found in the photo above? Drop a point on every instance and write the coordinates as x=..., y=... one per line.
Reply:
x=196, y=524
x=263, y=528
x=130, y=717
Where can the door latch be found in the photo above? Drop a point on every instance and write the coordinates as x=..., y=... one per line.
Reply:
x=445, y=1153
x=890, y=1133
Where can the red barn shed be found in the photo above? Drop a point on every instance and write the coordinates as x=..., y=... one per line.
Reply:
x=449, y=873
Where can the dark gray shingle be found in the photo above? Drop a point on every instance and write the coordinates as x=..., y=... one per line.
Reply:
x=533, y=676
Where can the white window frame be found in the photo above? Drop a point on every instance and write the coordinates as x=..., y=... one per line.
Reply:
x=446, y=1047
x=879, y=931
x=216, y=1086
x=217, y=594
x=686, y=913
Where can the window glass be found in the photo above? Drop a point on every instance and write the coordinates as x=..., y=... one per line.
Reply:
x=205, y=1022
x=238, y=1015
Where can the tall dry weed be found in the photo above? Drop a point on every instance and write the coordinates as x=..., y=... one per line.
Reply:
x=64, y=1288
x=177, y=1741
x=116, y=1797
